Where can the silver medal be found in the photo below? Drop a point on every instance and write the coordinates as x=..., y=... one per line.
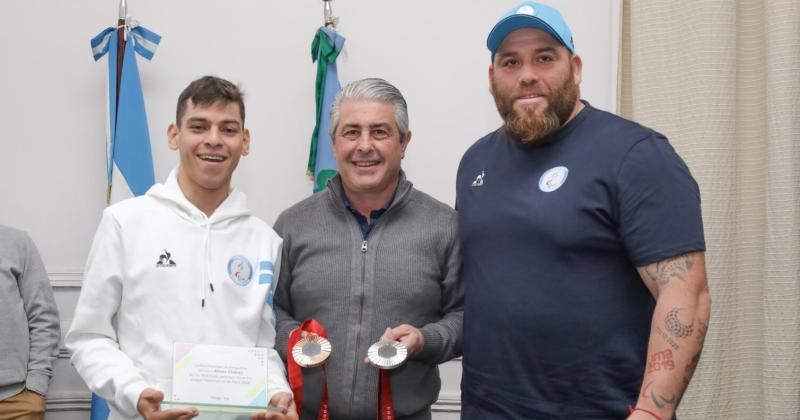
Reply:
x=387, y=354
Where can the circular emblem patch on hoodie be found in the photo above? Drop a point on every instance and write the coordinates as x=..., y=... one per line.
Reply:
x=240, y=270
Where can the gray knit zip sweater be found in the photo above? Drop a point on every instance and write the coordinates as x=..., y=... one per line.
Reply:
x=408, y=273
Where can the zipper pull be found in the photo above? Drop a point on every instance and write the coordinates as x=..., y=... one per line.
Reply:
x=364, y=246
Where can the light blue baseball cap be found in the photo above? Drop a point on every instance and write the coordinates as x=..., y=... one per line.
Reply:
x=530, y=15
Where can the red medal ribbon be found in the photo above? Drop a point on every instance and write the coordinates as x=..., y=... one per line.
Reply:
x=296, y=372
x=385, y=405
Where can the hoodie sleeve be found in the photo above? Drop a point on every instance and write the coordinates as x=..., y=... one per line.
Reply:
x=92, y=338
x=276, y=373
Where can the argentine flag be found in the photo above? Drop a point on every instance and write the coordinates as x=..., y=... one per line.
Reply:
x=128, y=156
x=129, y=159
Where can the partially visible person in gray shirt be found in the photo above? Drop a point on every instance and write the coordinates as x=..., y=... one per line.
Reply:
x=29, y=329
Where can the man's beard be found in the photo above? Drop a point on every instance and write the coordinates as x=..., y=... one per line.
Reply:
x=526, y=126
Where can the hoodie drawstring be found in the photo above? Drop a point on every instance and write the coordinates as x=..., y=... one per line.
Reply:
x=207, y=278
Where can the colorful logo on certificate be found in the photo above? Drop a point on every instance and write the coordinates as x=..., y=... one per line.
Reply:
x=240, y=270
x=553, y=178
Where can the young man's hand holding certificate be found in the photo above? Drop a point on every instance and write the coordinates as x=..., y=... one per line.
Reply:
x=220, y=382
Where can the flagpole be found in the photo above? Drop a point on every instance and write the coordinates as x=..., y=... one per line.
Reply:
x=330, y=19
x=123, y=13
x=121, y=35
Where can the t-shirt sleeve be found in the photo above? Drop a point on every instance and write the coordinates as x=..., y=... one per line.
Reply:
x=659, y=203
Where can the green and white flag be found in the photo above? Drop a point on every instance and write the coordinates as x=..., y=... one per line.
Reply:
x=324, y=50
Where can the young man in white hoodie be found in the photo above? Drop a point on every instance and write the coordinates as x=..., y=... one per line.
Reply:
x=186, y=262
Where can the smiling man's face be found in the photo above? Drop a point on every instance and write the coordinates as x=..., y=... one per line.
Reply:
x=210, y=138
x=534, y=81
x=368, y=148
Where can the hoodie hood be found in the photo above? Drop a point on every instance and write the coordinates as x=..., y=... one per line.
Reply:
x=230, y=210
x=171, y=195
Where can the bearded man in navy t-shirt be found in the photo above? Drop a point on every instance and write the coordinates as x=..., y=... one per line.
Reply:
x=582, y=247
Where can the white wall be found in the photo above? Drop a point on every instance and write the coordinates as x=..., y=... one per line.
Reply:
x=52, y=180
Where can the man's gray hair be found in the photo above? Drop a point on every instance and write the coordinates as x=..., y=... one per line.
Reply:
x=372, y=89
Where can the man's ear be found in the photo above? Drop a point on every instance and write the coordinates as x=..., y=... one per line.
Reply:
x=404, y=143
x=577, y=68
x=491, y=77
x=246, y=143
x=172, y=136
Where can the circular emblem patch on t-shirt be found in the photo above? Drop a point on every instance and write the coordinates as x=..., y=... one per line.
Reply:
x=240, y=270
x=553, y=178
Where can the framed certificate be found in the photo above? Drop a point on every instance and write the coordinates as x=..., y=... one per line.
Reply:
x=223, y=382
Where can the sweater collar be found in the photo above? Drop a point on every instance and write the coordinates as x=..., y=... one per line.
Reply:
x=335, y=191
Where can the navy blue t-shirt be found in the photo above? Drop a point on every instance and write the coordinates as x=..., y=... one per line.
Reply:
x=557, y=318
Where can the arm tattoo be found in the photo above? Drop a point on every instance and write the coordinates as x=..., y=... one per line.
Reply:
x=691, y=367
x=661, y=361
x=668, y=339
x=660, y=401
x=663, y=272
x=674, y=325
x=701, y=331
x=646, y=388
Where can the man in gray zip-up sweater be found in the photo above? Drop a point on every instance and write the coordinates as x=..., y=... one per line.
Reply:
x=369, y=253
x=29, y=329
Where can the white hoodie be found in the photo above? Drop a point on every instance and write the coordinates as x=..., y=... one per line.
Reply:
x=161, y=272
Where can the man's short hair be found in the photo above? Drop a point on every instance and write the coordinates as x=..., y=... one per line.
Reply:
x=208, y=90
x=372, y=89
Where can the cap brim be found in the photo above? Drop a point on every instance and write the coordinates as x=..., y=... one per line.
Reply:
x=511, y=24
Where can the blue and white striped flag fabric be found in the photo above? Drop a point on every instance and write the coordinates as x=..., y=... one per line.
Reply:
x=100, y=409
x=129, y=158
